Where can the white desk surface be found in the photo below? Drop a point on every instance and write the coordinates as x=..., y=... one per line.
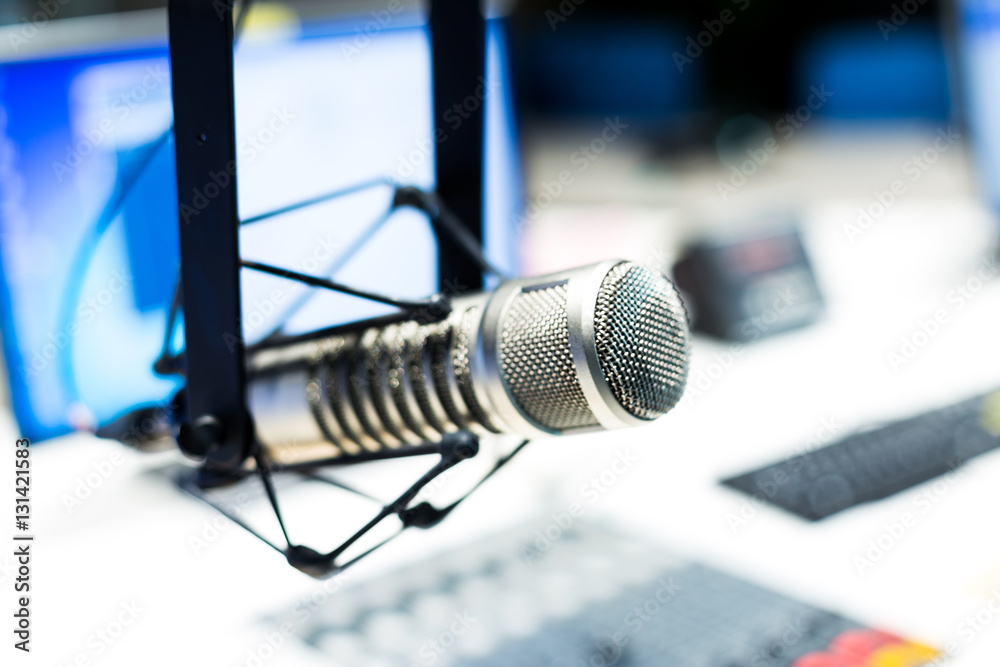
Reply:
x=129, y=542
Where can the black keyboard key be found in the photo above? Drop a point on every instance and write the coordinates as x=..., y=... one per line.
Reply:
x=876, y=464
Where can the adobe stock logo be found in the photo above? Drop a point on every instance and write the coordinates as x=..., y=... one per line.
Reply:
x=926, y=329
x=121, y=108
x=380, y=20
x=714, y=28
x=592, y=491
x=248, y=149
x=913, y=169
x=88, y=310
x=788, y=125
x=30, y=25
x=566, y=9
x=87, y=484
x=900, y=15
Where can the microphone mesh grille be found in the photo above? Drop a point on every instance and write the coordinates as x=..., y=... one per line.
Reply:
x=536, y=361
x=640, y=327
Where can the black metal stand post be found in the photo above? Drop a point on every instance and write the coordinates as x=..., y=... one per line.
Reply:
x=217, y=427
x=458, y=50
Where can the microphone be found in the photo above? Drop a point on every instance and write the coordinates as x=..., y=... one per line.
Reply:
x=599, y=347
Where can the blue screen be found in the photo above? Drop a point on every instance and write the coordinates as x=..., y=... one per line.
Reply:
x=88, y=275
x=980, y=61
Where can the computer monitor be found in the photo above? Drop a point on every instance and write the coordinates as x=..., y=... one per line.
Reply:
x=83, y=310
x=979, y=61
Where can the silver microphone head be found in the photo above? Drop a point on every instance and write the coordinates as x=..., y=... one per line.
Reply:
x=637, y=335
x=603, y=346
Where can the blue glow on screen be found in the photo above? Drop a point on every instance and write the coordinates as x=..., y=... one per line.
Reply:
x=980, y=63
x=72, y=127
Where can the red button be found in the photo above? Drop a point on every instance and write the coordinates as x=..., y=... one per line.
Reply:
x=859, y=644
x=819, y=660
x=888, y=637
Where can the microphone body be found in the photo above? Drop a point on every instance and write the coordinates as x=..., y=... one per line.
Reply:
x=598, y=347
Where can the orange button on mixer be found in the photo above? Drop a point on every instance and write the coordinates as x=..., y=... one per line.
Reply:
x=908, y=654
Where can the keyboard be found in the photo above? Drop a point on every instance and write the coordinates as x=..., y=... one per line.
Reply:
x=543, y=595
x=877, y=463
